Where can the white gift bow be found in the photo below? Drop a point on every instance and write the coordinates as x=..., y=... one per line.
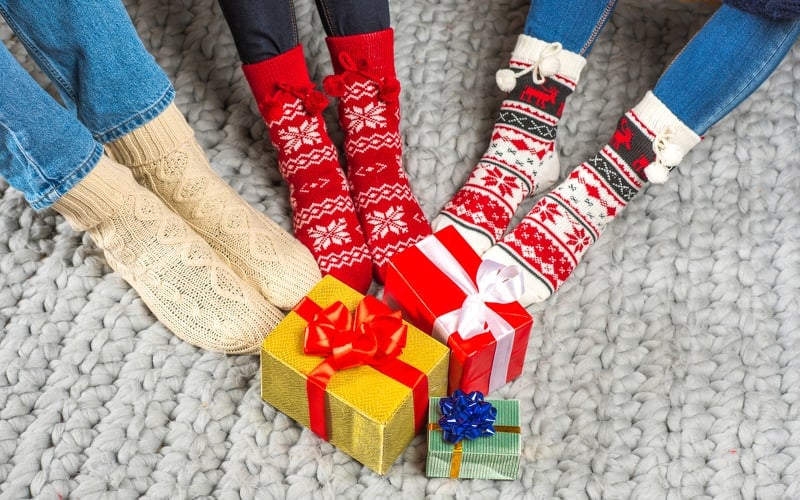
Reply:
x=494, y=282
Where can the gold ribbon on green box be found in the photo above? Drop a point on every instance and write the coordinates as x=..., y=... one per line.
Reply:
x=494, y=456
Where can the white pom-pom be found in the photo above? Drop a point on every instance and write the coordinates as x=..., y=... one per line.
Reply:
x=656, y=173
x=506, y=80
x=549, y=66
x=671, y=155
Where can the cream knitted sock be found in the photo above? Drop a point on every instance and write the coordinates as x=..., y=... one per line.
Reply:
x=186, y=285
x=166, y=159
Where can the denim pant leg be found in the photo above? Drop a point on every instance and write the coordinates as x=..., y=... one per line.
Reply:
x=44, y=149
x=92, y=53
x=725, y=62
x=353, y=17
x=261, y=29
x=575, y=23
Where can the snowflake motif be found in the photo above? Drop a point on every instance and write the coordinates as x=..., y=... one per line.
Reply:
x=370, y=116
x=335, y=233
x=547, y=210
x=578, y=239
x=506, y=184
x=296, y=137
x=390, y=221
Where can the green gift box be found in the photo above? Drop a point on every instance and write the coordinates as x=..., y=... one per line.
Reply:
x=487, y=457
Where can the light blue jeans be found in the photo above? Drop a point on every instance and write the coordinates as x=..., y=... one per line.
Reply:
x=107, y=80
x=725, y=62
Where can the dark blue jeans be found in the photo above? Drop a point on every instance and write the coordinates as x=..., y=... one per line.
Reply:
x=263, y=29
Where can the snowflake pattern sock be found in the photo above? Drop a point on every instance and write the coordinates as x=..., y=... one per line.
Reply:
x=183, y=281
x=165, y=158
x=551, y=239
x=521, y=158
x=369, y=110
x=324, y=217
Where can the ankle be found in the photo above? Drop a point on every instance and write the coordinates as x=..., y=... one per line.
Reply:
x=153, y=140
x=97, y=196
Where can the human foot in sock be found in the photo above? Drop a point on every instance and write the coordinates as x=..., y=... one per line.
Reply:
x=551, y=239
x=369, y=111
x=323, y=214
x=521, y=158
x=186, y=285
x=166, y=158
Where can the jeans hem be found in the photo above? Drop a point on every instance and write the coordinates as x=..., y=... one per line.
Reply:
x=138, y=119
x=70, y=181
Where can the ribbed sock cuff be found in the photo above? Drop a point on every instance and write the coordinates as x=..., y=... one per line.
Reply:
x=376, y=48
x=529, y=50
x=155, y=139
x=655, y=115
x=96, y=197
x=289, y=67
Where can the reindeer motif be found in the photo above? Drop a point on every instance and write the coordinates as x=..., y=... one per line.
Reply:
x=622, y=135
x=639, y=164
x=540, y=96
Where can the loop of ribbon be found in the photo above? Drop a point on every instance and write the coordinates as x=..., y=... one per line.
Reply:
x=466, y=416
x=388, y=87
x=313, y=100
x=493, y=282
x=374, y=336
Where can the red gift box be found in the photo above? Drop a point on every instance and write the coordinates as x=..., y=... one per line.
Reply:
x=443, y=287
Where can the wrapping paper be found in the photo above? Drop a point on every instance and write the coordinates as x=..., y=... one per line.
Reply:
x=427, y=294
x=368, y=415
x=490, y=457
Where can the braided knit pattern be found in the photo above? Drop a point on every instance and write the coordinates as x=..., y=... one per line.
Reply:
x=166, y=159
x=178, y=275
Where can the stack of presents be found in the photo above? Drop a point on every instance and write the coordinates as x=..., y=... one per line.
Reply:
x=367, y=375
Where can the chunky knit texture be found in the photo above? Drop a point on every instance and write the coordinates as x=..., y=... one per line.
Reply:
x=323, y=214
x=178, y=275
x=522, y=157
x=560, y=228
x=369, y=110
x=166, y=158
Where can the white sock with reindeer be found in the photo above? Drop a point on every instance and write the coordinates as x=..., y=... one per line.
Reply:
x=521, y=158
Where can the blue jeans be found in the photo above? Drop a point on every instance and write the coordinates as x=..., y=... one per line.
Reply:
x=108, y=82
x=263, y=29
x=725, y=62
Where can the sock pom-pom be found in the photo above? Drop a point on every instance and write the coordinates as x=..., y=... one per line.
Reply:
x=671, y=155
x=656, y=173
x=333, y=85
x=506, y=80
x=549, y=66
x=315, y=102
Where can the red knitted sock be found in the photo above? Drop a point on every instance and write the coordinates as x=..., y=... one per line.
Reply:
x=369, y=110
x=324, y=217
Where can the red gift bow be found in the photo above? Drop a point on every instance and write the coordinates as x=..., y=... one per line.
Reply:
x=375, y=336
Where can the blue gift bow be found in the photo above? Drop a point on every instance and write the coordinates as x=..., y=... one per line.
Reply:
x=466, y=416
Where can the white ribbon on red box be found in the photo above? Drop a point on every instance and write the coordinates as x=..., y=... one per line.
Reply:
x=494, y=282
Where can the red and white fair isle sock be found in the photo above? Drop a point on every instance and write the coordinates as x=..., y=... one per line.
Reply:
x=521, y=158
x=554, y=235
x=369, y=111
x=324, y=216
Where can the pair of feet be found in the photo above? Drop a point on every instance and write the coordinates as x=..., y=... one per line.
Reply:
x=521, y=160
x=354, y=222
x=211, y=268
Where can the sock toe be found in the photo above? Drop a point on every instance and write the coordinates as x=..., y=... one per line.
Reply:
x=478, y=239
x=535, y=290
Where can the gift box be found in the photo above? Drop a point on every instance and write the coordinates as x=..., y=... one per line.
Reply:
x=353, y=371
x=494, y=456
x=443, y=287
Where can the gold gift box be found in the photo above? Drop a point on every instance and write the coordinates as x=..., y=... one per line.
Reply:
x=369, y=415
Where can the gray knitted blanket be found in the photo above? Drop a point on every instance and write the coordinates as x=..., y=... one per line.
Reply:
x=668, y=366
